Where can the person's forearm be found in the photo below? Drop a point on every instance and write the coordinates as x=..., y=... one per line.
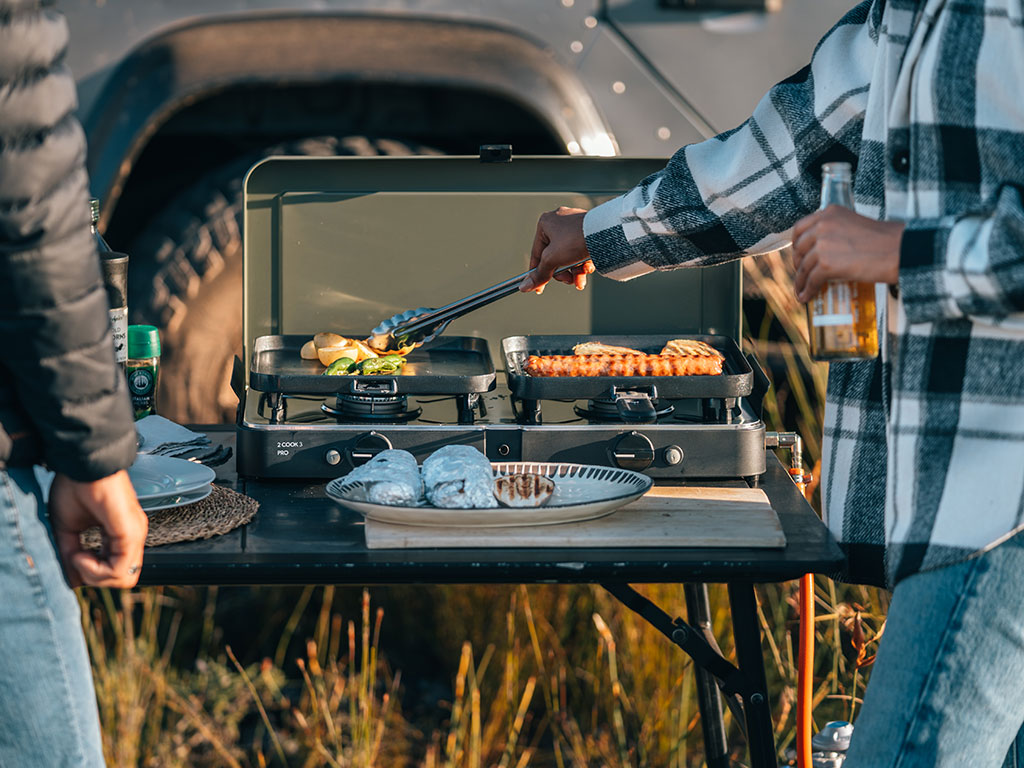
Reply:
x=741, y=192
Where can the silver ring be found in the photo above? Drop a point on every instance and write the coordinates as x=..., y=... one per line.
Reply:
x=134, y=569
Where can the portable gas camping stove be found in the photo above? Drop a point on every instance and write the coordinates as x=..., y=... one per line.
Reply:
x=341, y=244
x=304, y=424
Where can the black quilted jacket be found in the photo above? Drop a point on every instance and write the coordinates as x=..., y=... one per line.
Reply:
x=62, y=398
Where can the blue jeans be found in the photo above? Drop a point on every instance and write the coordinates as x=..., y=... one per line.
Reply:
x=947, y=688
x=48, y=713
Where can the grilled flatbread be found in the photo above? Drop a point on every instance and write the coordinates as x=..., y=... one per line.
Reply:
x=598, y=348
x=690, y=348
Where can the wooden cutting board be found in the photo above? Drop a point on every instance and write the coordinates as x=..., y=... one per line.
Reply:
x=664, y=517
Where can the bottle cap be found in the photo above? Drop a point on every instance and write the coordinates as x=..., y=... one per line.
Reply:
x=837, y=169
x=94, y=210
x=143, y=342
x=834, y=737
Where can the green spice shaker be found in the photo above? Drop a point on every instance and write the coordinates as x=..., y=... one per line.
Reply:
x=143, y=368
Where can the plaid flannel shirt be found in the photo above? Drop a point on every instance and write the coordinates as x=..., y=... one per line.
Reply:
x=924, y=447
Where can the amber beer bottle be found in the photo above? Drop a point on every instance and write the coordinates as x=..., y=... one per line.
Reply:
x=841, y=317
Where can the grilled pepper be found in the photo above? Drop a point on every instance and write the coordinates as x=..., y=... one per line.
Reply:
x=378, y=366
x=340, y=367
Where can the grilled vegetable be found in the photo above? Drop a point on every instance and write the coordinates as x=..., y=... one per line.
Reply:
x=328, y=347
x=328, y=339
x=381, y=365
x=328, y=355
x=340, y=367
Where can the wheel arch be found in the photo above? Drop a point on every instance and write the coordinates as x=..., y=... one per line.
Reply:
x=194, y=62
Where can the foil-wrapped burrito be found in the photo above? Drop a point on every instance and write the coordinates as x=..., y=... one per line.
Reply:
x=459, y=477
x=392, y=478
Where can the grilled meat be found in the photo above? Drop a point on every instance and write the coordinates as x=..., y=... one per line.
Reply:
x=624, y=365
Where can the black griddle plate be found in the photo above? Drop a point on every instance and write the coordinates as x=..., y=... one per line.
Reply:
x=450, y=365
x=736, y=379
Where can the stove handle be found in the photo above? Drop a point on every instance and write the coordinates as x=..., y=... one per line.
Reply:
x=761, y=386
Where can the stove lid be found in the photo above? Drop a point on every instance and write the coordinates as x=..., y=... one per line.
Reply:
x=342, y=243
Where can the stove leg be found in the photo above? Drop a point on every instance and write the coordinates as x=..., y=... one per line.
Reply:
x=466, y=405
x=698, y=611
x=756, y=707
x=531, y=411
x=278, y=407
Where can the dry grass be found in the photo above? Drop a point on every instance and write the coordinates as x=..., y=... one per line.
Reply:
x=537, y=676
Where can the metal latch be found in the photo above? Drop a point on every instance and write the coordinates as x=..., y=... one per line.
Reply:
x=367, y=446
x=375, y=387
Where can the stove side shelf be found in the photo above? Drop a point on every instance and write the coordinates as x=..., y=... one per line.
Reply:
x=452, y=365
x=736, y=379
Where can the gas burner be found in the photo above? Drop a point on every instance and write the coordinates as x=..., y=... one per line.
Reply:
x=629, y=406
x=372, y=408
x=608, y=411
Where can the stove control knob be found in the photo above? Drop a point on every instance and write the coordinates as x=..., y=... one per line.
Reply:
x=332, y=457
x=633, y=451
x=673, y=455
x=366, y=447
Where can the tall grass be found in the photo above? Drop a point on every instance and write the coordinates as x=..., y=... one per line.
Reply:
x=547, y=676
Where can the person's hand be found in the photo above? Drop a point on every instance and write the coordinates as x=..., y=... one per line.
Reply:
x=839, y=244
x=559, y=242
x=109, y=503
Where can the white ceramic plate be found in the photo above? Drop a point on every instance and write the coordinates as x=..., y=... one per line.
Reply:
x=180, y=500
x=157, y=476
x=582, y=492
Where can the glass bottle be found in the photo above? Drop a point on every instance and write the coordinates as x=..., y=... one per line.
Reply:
x=841, y=318
x=115, y=278
x=143, y=368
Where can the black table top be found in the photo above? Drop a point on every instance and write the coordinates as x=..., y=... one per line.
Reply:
x=299, y=536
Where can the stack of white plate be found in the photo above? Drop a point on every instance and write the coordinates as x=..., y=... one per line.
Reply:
x=162, y=482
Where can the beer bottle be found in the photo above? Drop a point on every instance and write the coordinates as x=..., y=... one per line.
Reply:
x=115, y=278
x=842, y=320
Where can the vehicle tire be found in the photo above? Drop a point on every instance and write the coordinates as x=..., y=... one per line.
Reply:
x=186, y=279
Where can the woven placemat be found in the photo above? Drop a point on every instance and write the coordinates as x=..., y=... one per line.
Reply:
x=222, y=511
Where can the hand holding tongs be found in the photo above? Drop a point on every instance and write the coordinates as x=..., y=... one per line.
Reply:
x=417, y=326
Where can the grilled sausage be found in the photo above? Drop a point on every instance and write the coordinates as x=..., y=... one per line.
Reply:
x=623, y=365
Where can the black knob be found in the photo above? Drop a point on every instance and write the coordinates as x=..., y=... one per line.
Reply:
x=632, y=451
x=366, y=447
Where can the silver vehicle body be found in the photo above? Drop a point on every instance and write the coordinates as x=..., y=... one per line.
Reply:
x=603, y=76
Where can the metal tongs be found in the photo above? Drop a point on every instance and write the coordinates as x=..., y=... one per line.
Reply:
x=417, y=326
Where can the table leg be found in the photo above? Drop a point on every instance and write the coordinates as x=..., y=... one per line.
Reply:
x=698, y=611
x=756, y=707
